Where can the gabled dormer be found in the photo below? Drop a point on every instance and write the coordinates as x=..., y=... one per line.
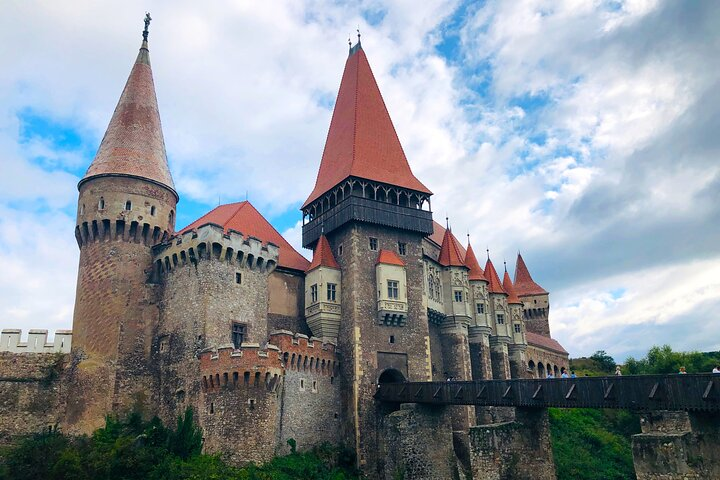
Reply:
x=323, y=283
x=391, y=282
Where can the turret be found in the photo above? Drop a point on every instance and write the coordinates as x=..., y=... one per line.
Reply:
x=322, y=292
x=126, y=204
x=454, y=327
x=518, y=344
x=536, y=301
x=499, y=311
x=480, y=327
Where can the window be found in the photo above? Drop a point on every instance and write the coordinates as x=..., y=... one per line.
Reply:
x=373, y=244
x=171, y=218
x=392, y=338
x=128, y=205
x=82, y=209
x=314, y=386
x=339, y=250
x=313, y=293
x=331, y=288
x=500, y=319
x=518, y=328
x=458, y=295
x=152, y=210
x=402, y=248
x=392, y=289
x=101, y=204
x=238, y=277
x=302, y=385
x=480, y=308
x=238, y=333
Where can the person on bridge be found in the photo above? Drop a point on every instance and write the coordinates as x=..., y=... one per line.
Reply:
x=716, y=369
x=572, y=374
x=682, y=371
x=618, y=372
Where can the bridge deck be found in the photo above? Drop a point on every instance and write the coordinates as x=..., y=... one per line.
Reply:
x=637, y=392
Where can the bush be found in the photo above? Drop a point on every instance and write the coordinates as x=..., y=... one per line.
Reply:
x=136, y=449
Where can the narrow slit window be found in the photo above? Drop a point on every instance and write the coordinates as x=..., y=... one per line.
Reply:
x=238, y=278
x=128, y=205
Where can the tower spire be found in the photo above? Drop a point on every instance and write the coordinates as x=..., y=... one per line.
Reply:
x=524, y=283
x=133, y=145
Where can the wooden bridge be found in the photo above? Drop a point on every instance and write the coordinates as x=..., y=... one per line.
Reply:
x=697, y=392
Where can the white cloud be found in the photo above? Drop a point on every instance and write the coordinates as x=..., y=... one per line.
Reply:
x=623, y=172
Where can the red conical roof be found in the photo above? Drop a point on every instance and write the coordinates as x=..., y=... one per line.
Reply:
x=492, y=278
x=508, y=287
x=476, y=271
x=524, y=284
x=450, y=251
x=244, y=218
x=362, y=141
x=323, y=255
x=133, y=144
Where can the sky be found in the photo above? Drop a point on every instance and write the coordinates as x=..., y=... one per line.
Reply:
x=583, y=134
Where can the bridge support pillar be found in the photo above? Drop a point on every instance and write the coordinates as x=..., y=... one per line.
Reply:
x=517, y=450
x=677, y=445
x=418, y=444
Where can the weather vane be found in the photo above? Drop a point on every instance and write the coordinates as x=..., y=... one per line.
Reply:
x=147, y=24
x=358, y=30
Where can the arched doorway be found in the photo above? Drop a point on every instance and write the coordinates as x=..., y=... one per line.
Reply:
x=391, y=375
x=531, y=368
x=541, y=370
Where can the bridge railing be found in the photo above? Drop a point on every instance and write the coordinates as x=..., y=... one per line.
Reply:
x=635, y=392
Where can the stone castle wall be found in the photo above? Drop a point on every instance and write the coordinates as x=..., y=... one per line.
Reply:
x=536, y=355
x=365, y=345
x=32, y=393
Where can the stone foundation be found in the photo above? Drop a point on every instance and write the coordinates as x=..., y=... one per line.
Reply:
x=518, y=450
x=677, y=445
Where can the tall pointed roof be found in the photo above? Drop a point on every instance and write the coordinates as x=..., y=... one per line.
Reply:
x=133, y=144
x=509, y=289
x=323, y=255
x=476, y=271
x=492, y=278
x=244, y=218
x=524, y=284
x=362, y=141
x=451, y=254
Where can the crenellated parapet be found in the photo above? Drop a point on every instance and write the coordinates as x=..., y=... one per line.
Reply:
x=36, y=342
x=306, y=354
x=210, y=241
x=248, y=366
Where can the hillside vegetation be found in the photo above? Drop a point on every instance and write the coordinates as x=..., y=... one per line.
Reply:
x=138, y=450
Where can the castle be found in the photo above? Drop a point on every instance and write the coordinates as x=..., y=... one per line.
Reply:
x=225, y=316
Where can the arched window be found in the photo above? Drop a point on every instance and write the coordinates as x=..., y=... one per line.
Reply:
x=431, y=287
x=171, y=218
x=101, y=204
x=152, y=210
x=128, y=205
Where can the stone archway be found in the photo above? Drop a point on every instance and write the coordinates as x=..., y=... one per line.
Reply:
x=391, y=375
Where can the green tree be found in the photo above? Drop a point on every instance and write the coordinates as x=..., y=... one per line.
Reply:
x=663, y=360
x=604, y=362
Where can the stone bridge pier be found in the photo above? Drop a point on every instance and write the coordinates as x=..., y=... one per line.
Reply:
x=677, y=445
x=515, y=450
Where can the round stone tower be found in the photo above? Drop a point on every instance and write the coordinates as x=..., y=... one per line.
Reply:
x=126, y=205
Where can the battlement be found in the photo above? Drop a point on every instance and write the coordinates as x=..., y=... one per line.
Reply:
x=303, y=353
x=248, y=366
x=36, y=343
x=210, y=241
x=106, y=230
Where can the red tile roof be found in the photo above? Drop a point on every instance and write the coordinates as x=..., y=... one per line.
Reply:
x=510, y=290
x=524, y=284
x=390, y=258
x=492, y=278
x=362, y=141
x=536, y=340
x=323, y=255
x=437, y=237
x=244, y=218
x=133, y=143
x=451, y=254
x=476, y=271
